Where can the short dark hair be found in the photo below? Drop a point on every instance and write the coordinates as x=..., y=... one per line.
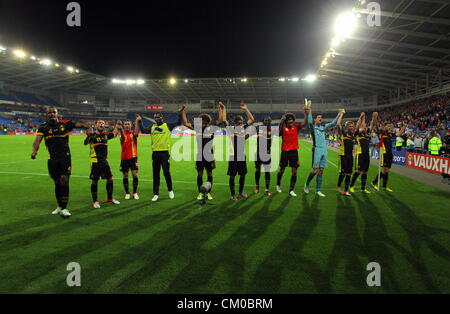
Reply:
x=52, y=107
x=316, y=115
x=238, y=117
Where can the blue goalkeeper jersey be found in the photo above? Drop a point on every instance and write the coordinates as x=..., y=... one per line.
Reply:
x=318, y=131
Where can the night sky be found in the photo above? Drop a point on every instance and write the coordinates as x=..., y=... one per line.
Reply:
x=184, y=38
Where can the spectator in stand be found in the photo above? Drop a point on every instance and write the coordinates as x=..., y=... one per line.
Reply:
x=418, y=143
x=410, y=144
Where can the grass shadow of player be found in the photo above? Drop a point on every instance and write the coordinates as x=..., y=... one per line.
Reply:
x=180, y=240
x=89, y=217
x=227, y=253
x=347, y=246
x=419, y=234
x=288, y=255
x=375, y=240
x=163, y=237
x=42, y=265
x=202, y=262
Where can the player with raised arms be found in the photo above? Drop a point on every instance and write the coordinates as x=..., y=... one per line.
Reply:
x=387, y=135
x=205, y=138
x=362, y=151
x=289, y=154
x=129, y=156
x=263, y=158
x=347, y=141
x=98, y=144
x=237, y=164
x=319, y=150
x=56, y=136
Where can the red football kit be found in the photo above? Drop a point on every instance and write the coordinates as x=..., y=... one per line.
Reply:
x=129, y=146
x=290, y=137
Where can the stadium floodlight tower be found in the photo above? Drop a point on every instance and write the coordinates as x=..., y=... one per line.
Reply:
x=345, y=24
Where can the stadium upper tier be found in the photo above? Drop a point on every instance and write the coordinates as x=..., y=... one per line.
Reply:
x=405, y=54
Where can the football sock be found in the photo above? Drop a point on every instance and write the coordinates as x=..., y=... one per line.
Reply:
x=279, y=177
x=64, y=195
x=293, y=182
x=109, y=189
x=319, y=182
x=241, y=184
x=363, y=181
x=199, y=182
x=58, y=192
x=347, y=182
x=210, y=180
x=257, y=177
x=267, y=175
x=341, y=178
x=354, y=178
x=385, y=179
x=232, y=190
x=375, y=181
x=94, y=192
x=310, y=177
x=135, y=184
x=125, y=185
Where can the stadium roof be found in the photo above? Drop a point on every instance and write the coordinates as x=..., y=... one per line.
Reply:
x=406, y=55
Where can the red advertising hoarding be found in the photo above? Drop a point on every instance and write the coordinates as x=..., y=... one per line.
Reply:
x=434, y=164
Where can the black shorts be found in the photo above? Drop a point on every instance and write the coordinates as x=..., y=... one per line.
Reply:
x=129, y=164
x=289, y=159
x=259, y=161
x=59, y=167
x=237, y=168
x=204, y=164
x=346, y=164
x=100, y=170
x=386, y=160
x=362, y=162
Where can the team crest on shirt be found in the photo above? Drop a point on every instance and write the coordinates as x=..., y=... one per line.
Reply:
x=62, y=128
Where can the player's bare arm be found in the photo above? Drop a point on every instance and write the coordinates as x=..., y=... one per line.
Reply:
x=374, y=122
x=220, y=118
x=360, y=122
x=82, y=125
x=36, y=145
x=250, y=118
x=184, y=120
x=118, y=128
x=339, y=122
x=137, y=128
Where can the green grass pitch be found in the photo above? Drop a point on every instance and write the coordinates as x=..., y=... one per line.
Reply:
x=259, y=245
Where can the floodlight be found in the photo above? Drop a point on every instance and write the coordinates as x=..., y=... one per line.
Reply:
x=335, y=42
x=345, y=24
x=282, y=79
x=20, y=53
x=47, y=62
x=311, y=78
x=140, y=82
x=244, y=80
x=70, y=69
x=172, y=81
x=295, y=79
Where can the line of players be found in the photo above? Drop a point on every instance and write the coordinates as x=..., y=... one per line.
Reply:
x=55, y=133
